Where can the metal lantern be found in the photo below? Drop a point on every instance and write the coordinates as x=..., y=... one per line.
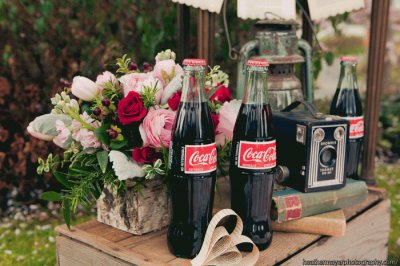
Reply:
x=276, y=41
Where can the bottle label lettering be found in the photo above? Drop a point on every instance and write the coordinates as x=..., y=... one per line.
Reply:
x=257, y=155
x=200, y=158
x=356, y=127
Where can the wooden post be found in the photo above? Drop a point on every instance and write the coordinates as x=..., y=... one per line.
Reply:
x=205, y=35
x=183, y=21
x=376, y=57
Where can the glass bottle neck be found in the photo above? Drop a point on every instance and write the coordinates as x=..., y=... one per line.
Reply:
x=193, y=88
x=348, y=76
x=256, y=88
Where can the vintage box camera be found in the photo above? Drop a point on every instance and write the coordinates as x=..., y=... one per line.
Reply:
x=311, y=148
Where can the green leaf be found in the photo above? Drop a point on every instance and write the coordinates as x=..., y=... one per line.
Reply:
x=101, y=133
x=329, y=58
x=51, y=196
x=115, y=145
x=62, y=178
x=67, y=212
x=102, y=159
x=73, y=171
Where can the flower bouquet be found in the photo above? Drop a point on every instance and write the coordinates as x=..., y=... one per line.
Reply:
x=116, y=132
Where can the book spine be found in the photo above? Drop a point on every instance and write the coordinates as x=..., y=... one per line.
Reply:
x=330, y=224
x=298, y=205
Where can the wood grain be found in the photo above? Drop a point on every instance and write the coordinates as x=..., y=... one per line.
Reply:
x=366, y=238
x=94, y=243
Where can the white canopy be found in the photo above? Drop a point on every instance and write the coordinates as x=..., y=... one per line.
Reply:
x=286, y=9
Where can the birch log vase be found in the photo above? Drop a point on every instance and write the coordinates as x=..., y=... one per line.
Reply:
x=136, y=212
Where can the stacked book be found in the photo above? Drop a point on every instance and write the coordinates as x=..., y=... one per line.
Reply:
x=318, y=212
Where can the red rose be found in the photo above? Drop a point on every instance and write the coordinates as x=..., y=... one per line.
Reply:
x=215, y=119
x=144, y=155
x=221, y=95
x=131, y=109
x=174, y=100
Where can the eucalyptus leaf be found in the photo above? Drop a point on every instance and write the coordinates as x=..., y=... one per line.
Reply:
x=102, y=159
x=51, y=196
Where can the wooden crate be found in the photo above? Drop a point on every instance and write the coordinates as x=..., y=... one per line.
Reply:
x=94, y=243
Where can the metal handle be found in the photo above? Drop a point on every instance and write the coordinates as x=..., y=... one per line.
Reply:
x=305, y=47
x=247, y=51
x=309, y=107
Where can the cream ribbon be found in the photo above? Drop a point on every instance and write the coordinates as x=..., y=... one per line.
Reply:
x=219, y=247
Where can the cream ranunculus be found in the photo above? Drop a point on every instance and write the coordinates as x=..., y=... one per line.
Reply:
x=84, y=88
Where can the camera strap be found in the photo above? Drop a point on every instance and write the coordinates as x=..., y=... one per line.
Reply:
x=308, y=106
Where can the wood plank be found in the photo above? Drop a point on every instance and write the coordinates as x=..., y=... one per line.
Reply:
x=155, y=247
x=366, y=238
x=107, y=246
x=374, y=196
x=71, y=252
x=137, y=240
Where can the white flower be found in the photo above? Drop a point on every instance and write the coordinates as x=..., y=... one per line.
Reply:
x=84, y=88
x=124, y=167
x=172, y=87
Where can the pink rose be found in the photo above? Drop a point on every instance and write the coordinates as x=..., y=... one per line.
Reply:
x=105, y=77
x=138, y=81
x=157, y=127
x=133, y=81
x=166, y=70
x=227, y=118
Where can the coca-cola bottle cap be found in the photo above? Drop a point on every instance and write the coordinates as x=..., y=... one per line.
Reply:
x=194, y=62
x=259, y=63
x=348, y=58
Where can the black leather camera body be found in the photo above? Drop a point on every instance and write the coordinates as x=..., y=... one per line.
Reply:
x=311, y=148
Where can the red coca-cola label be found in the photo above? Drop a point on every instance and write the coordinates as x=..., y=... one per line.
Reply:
x=257, y=155
x=356, y=127
x=200, y=158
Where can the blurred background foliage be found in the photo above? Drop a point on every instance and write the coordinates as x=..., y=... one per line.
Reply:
x=44, y=41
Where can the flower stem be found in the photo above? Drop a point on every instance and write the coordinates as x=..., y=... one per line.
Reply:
x=79, y=119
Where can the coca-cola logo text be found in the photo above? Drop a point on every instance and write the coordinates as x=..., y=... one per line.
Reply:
x=257, y=155
x=200, y=158
x=356, y=127
x=250, y=155
x=203, y=159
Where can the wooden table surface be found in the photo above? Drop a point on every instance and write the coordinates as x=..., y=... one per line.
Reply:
x=94, y=243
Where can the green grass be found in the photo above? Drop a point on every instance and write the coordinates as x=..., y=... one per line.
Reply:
x=34, y=244
x=388, y=177
x=29, y=244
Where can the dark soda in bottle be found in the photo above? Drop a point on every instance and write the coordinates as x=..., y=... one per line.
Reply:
x=347, y=104
x=192, y=165
x=253, y=158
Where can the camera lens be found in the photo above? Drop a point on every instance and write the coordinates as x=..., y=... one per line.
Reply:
x=327, y=156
